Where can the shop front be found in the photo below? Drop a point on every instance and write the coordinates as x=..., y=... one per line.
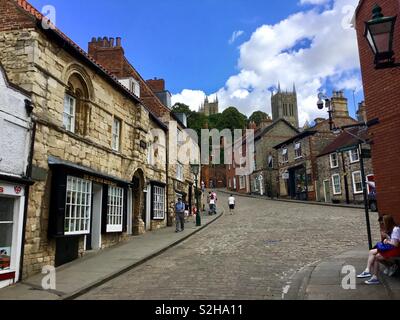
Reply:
x=86, y=208
x=12, y=205
x=298, y=184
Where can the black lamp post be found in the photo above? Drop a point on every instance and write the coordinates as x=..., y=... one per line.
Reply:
x=325, y=102
x=195, y=168
x=379, y=34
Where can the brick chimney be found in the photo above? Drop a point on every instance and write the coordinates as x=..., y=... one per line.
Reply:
x=339, y=104
x=109, y=54
x=157, y=85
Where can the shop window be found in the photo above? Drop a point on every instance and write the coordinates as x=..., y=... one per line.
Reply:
x=78, y=206
x=115, y=209
x=334, y=160
x=357, y=182
x=116, y=134
x=158, y=203
x=337, y=188
x=6, y=232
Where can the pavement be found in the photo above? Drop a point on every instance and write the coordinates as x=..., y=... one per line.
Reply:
x=95, y=269
x=323, y=280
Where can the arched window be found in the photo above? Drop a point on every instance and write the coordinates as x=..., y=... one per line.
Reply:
x=76, y=108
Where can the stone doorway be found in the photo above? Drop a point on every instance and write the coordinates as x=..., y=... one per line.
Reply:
x=138, y=226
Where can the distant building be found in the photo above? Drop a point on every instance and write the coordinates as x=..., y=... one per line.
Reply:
x=339, y=169
x=284, y=106
x=298, y=171
x=209, y=108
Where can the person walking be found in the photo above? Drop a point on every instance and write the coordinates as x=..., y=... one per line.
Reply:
x=180, y=216
x=231, y=202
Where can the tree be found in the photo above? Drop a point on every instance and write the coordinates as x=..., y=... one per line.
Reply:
x=232, y=119
x=182, y=108
x=258, y=117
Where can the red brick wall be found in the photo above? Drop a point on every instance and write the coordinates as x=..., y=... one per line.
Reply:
x=13, y=17
x=382, y=97
x=157, y=85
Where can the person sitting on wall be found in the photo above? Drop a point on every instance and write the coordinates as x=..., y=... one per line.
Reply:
x=383, y=251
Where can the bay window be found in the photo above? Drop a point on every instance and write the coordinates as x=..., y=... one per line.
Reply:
x=6, y=232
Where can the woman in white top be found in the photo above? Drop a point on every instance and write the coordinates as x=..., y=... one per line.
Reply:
x=231, y=202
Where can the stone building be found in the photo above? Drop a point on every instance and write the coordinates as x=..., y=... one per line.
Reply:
x=99, y=150
x=381, y=90
x=16, y=131
x=284, y=106
x=339, y=169
x=264, y=180
x=298, y=171
x=209, y=108
x=110, y=54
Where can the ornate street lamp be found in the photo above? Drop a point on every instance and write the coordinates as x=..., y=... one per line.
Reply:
x=195, y=168
x=325, y=102
x=379, y=34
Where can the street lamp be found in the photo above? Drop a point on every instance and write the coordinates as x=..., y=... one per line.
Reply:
x=325, y=102
x=195, y=168
x=379, y=34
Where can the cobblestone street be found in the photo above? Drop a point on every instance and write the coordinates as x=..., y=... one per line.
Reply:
x=250, y=255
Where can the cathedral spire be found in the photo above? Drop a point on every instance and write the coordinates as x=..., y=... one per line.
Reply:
x=294, y=87
x=279, y=86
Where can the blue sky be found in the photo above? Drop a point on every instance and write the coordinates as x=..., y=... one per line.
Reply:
x=187, y=42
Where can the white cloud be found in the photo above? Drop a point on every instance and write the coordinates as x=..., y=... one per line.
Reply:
x=235, y=35
x=315, y=2
x=309, y=48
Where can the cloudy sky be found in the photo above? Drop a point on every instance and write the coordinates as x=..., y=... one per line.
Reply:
x=238, y=49
x=313, y=47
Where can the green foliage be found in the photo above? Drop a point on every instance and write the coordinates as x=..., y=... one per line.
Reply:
x=232, y=119
x=258, y=116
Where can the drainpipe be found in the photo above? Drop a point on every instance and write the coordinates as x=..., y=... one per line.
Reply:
x=29, y=109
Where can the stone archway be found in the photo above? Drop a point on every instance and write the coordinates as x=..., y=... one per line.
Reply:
x=138, y=226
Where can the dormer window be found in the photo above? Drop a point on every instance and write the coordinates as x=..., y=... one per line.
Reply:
x=132, y=85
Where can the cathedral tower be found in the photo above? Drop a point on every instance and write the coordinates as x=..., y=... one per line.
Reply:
x=284, y=106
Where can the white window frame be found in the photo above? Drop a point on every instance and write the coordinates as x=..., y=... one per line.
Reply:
x=158, y=203
x=270, y=160
x=352, y=160
x=80, y=209
x=335, y=192
x=331, y=160
x=285, y=155
x=69, y=115
x=116, y=134
x=298, y=150
x=354, y=182
x=115, y=209
x=179, y=171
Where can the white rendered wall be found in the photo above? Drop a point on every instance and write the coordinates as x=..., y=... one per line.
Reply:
x=14, y=130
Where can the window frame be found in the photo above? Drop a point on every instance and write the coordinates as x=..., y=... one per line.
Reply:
x=116, y=135
x=71, y=117
x=354, y=182
x=334, y=186
x=298, y=149
x=351, y=156
x=242, y=182
x=115, y=209
x=158, y=202
x=337, y=160
x=86, y=206
x=179, y=171
x=285, y=155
